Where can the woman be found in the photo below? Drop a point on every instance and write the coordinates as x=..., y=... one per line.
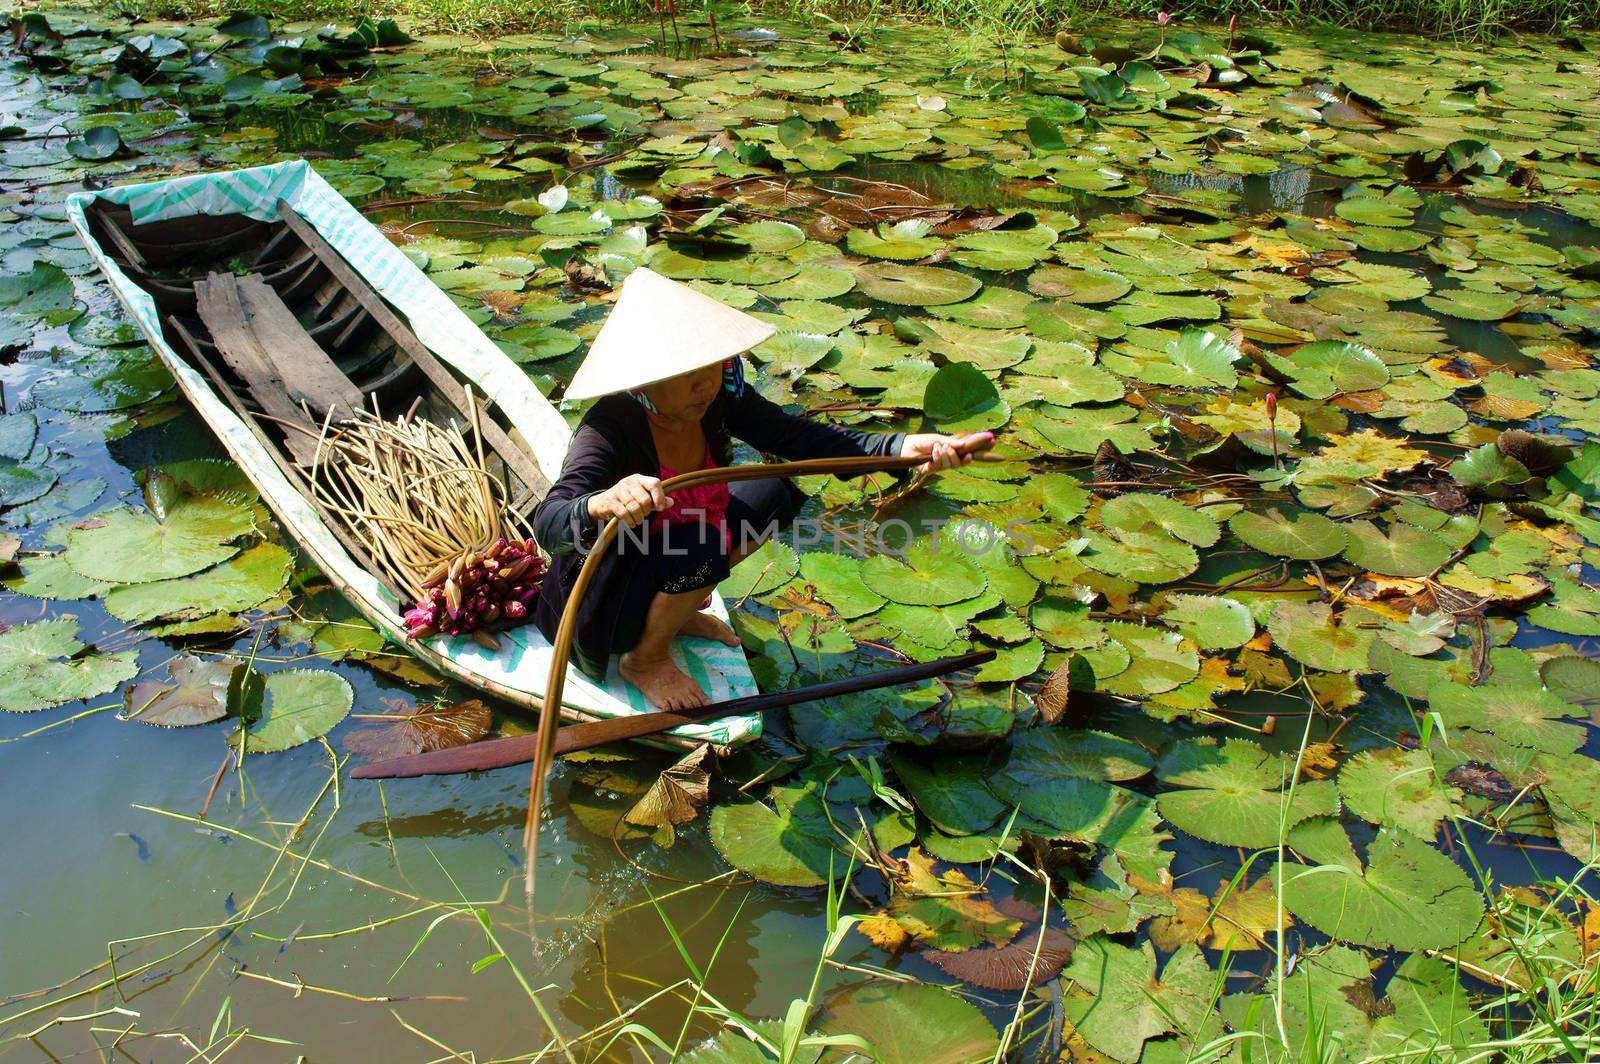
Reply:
x=673, y=396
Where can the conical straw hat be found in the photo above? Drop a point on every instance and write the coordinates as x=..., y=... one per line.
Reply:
x=660, y=328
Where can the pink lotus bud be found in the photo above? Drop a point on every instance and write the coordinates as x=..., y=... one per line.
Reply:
x=1163, y=18
x=515, y=610
x=1272, y=406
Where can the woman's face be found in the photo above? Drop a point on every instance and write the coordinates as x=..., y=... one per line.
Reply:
x=687, y=395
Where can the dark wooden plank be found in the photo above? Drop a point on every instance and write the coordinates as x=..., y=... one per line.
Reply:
x=218, y=302
x=517, y=458
x=305, y=369
x=287, y=468
x=118, y=237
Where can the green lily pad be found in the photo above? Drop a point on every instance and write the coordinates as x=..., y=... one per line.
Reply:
x=1318, y=370
x=1474, y=305
x=240, y=583
x=301, y=705
x=928, y=575
x=1308, y=632
x=1162, y=661
x=1145, y=513
x=1211, y=622
x=789, y=843
x=127, y=547
x=1117, y=1004
x=837, y=578
x=1409, y=896
x=1078, y=286
x=1525, y=715
x=951, y=792
x=911, y=1023
x=1296, y=534
x=1235, y=793
x=1405, y=551
x=94, y=386
x=921, y=286
x=40, y=667
x=1398, y=787
x=962, y=399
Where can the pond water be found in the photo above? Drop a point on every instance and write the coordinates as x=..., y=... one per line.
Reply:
x=1415, y=649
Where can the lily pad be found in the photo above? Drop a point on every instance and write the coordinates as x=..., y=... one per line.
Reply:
x=929, y=575
x=196, y=692
x=1211, y=622
x=789, y=843
x=1408, y=896
x=1296, y=534
x=301, y=705
x=921, y=286
x=911, y=1023
x=42, y=665
x=122, y=546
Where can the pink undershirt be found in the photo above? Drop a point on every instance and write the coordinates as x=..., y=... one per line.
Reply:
x=705, y=502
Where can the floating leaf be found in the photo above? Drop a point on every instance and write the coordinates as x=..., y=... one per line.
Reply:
x=301, y=705
x=1409, y=896
x=427, y=728
x=1210, y=622
x=1296, y=534
x=196, y=693
x=1235, y=793
x=926, y=576
x=1395, y=787
x=1524, y=715
x=1308, y=632
x=789, y=843
x=961, y=398
x=42, y=665
x=1318, y=370
x=1405, y=551
x=1143, y=513
x=922, y=286
x=911, y=1023
x=122, y=546
x=1116, y=1002
x=242, y=582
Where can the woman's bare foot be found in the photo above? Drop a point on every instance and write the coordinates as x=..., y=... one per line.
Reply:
x=662, y=682
x=705, y=626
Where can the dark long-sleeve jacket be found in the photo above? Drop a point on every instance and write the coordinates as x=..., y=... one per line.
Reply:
x=613, y=441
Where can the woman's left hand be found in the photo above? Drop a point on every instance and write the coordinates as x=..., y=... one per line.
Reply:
x=942, y=451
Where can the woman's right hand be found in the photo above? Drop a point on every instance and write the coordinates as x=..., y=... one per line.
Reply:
x=630, y=500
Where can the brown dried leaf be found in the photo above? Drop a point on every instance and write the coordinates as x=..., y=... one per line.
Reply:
x=426, y=730
x=1320, y=761
x=1007, y=967
x=1051, y=698
x=677, y=796
x=1480, y=779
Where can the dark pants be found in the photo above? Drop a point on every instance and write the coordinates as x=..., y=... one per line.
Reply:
x=676, y=557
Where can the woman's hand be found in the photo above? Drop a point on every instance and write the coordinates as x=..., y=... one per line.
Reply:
x=943, y=451
x=630, y=500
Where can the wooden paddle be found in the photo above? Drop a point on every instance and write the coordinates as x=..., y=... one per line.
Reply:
x=545, y=747
x=520, y=749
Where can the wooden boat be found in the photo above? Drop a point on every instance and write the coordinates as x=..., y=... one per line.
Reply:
x=274, y=302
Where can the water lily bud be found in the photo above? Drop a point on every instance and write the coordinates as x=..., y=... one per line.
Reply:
x=1272, y=406
x=515, y=610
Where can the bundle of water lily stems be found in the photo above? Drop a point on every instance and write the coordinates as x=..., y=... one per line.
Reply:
x=425, y=506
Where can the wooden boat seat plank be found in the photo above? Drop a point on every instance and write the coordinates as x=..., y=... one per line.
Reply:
x=517, y=458
x=221, y=309
x=307, y=372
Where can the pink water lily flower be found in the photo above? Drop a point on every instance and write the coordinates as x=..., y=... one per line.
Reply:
x=1163, y=18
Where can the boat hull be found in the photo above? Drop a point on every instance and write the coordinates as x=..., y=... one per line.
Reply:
x=518, y=670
